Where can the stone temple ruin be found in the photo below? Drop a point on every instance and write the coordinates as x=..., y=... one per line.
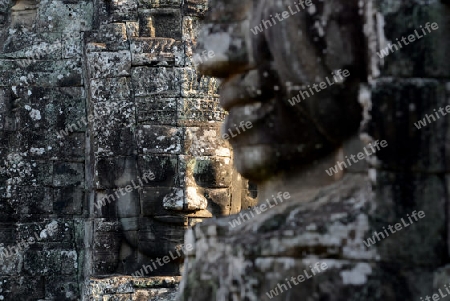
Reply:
x=127, y=174
x=110, y=148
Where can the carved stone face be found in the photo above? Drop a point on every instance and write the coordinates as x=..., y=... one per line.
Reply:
x=186, y=191
x=176, y=136
x=285, y=136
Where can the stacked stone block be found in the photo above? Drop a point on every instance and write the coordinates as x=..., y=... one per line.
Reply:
x=42, y=178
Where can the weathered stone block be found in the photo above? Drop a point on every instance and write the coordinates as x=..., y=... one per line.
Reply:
x=157, y=103
x=31, y=172
x=205, y=141
x=138, y=288
x=119, y=11
x=71, y=147
x=195, y=85
x=64, y=73
x=198, y=111
x=150, y=81
x=67, y=108
x=37, y=112
x=68, y=200
x=106, y=243
x=45, y=231
x=71, y=45
x=114, y=113
x=113, y=128
x=36, y=146
x=68, y=174
x=43, y=46
x=190, y=27
x=105, y=264
x=39, y=263
x=22, y=288
x=159, y=3
x=157, y=51
x=106, y=225
x=22, y=36
x=155, y=294
x=156, y=110
x=109, y=37
x=6, y=71
x=159, y=139
x=109, y=64
x=161, y=22
x=69, y=262
x=162, y=166
x=117, y=297
x=12, y=264
x=61, y=287
x=132, y=29
x=110, y=89
x=7, y=233
x=195, y=7
x=114, y=139
x=57, y=16
x=116, y=172
x=34, y=200
x=9, y=212
x=114, y=35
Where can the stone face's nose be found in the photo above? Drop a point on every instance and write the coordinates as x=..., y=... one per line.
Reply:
x=222, y=49
x=188, y=197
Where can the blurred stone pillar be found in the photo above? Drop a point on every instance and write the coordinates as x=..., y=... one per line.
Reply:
x=410, y=174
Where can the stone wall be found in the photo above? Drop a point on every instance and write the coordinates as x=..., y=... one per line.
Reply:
x=109, y=145
x=42, y=177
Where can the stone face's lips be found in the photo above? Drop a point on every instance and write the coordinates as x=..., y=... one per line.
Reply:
x=253, y=112
x=240, y=90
